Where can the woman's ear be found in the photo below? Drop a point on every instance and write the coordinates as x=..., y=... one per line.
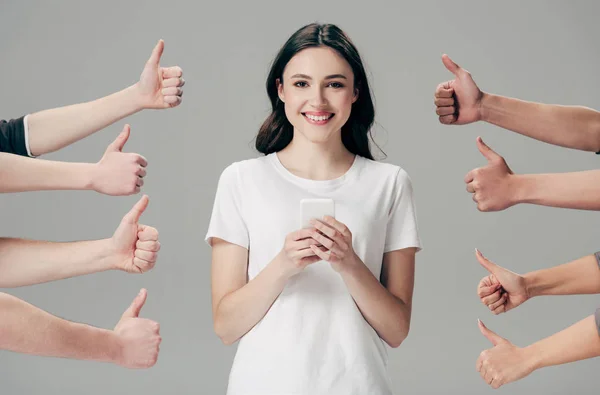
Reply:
x=355, y=98
x=280, y=90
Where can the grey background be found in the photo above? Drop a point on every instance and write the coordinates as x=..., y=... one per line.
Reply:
x=67, y=52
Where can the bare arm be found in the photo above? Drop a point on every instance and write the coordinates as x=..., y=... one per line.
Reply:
x=133, y=248
x=578, y=277
x=566, y=126
x=134, y=342
x=460, y=101
x=159, y=87
x=386, y=305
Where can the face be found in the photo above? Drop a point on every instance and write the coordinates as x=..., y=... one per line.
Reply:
x=318, y=92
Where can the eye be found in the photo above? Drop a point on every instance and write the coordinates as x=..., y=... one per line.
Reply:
x=336, y=85
x=300, y=84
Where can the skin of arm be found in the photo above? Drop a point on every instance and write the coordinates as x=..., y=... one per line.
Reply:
x=158, y=87
x=24, y=328
x=132, y=248
x=460, y=102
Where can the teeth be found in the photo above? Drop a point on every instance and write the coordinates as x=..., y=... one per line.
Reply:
x=321, y=118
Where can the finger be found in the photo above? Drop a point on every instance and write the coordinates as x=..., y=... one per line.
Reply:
x=172, y=72
x=470, y=177
x=150, y=245
x=447, y=119
x=500, y=309
x=443, y=102
x=173, y=82
x=470, y=188
x=479, y=363
x=133, y=216
x=140, y=182
x=304, y=244
x=324, y=255
x=140, y=160
x=489, y=266
x=172, y=101
x=121, y=139
x=148, y=233
x=337, y=225
x=489, y=334
x=305, y=253
x=484, y=291
x=486, y=151
x=499, y=302
x=143, y=265
x=141, y=172
x=302, y=234
x=450, y=65
x=157, y=53
x=133, y=310
x=172, y=91
x=443, y=111
x=331, y=233
x=444, y=90
x=148, y=256
x=493, y=298
x=475, y=198
x=330, y=245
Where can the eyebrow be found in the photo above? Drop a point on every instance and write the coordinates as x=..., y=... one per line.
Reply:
x=329, y=77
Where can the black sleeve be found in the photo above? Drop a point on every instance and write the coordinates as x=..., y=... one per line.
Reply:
x=12, y=137
x=598, y=320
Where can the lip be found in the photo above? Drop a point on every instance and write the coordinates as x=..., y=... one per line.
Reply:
x=318, y=114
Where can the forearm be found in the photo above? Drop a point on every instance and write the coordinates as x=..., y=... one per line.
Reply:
x=579, y=341
x=567, y=126
x=27, y=262
x=21, y=174
x=51, y=130
x=26, y=329
x=581, y=276
x=387, y=314
x=579, y=190
x=240, y=310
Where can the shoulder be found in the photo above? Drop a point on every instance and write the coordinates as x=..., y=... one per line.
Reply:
x=387, y=172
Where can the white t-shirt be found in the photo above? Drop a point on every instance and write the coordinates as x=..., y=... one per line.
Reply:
x=314, y=339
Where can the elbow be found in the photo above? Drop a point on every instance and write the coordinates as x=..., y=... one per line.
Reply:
x=222, y=333
x=398, y=337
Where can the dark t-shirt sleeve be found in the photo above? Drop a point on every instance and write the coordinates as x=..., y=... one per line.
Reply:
x=598, y=310
x=12, y=137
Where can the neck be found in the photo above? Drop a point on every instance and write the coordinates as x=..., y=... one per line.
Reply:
x=316, y=161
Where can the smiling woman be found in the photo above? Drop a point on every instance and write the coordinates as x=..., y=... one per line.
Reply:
x=315, y=307
x=298, y=79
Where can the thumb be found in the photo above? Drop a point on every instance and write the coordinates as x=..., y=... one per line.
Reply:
x=157, y=53
x=488, y=265
x=486, y=151
x=494, y=338
x=121, y=139
x=134, y=310
x=133, y=216
x=450, y=65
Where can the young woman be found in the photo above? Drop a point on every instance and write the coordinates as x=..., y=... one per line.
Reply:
x=315, y=309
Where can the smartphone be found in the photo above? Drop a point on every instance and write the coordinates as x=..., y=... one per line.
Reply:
x=315, y=208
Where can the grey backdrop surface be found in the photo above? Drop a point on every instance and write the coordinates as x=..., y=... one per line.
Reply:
x=68, y=52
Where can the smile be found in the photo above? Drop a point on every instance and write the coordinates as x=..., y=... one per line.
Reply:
x=318, y=119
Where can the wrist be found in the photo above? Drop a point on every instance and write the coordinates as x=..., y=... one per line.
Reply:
x=352, y=266
x=109, y=256
x=138, y=98
x=531, y=286
x=534, y=356
x=281, y=269
x=483, y=106
x=519, y=188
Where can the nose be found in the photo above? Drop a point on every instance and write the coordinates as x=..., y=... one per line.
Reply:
x=318, y=99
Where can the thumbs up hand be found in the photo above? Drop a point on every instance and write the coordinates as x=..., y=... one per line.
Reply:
x=160, y=87
x=494, y=185
x=119, y=173
x=505, y=362
x=458, y=101
x=138, y=338
x=134, y=246
x=502, y=290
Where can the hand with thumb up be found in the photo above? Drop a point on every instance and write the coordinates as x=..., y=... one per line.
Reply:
x=458, y=101
x=138, y=339
x=160, y=87
x=494, y=186
x=502, y=290
x=505, y=362
x=119, y=173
